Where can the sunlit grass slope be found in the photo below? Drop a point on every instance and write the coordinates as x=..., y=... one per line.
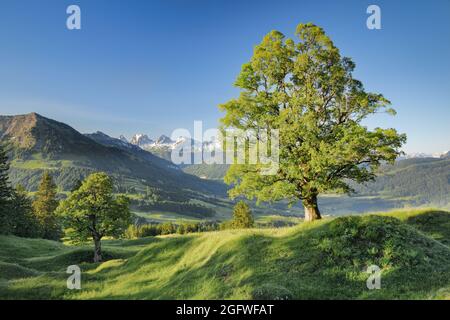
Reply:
x=321, y=260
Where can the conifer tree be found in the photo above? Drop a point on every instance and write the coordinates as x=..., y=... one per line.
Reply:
x=242, y=216
x=24, y=222
x=44, y=207
x=5, y=193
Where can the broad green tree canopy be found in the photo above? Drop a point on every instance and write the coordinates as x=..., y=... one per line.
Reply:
x=306, y=90
x=93, y=212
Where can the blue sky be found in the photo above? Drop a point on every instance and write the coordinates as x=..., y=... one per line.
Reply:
x=153, y=66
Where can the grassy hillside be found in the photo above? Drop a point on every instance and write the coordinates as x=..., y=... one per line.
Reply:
x=321, y=260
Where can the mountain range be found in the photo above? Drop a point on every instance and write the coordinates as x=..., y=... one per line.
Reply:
x=415, y=155
x=163, y=145
x=36, y=143
x=144, y=142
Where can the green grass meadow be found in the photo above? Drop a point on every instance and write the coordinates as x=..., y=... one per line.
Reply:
x=327, y=259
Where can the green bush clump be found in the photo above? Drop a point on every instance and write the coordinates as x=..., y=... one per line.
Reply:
x=362, y=241
x=157, y=229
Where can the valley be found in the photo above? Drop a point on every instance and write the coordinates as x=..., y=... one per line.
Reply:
x=37, y=144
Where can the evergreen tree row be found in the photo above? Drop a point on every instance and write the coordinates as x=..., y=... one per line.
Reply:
x=22, y=216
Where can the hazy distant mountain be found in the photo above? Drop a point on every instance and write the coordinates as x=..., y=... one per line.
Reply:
x=419, y=180
x=36, y=143
x=416, y=155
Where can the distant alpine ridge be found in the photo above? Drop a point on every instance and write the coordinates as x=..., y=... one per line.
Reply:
x=163, y=145
x=143, y=141
x=416, y=155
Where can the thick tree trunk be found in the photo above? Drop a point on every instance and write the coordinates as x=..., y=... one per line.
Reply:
x=97, y=249
x=311, y=209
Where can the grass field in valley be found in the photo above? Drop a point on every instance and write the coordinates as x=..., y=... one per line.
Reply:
x=326, y=259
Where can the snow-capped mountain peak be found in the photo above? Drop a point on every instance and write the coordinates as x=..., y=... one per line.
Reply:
x=164, y=145
x=141, y=140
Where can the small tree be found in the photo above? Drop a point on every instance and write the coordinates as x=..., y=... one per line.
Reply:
x=44, y=207
x=94, y=212
x=5, y=193
x=242, y=216
x=306, y=90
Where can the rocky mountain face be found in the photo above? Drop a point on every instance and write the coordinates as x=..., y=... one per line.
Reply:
x=32, y=133
x=141, y=140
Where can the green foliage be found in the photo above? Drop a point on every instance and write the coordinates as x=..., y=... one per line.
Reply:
x=156, y=229
x=5, y=188
x=226, y=225
x=25, y=222
x=168, y=228
x=242, y=216
x=382, y=241
x=16, y=213
x=93, y=205
x=93, y=212
x=306, y=90
x=44, y=207
x=76, y=185
x=140, y=231
x=5, y=193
